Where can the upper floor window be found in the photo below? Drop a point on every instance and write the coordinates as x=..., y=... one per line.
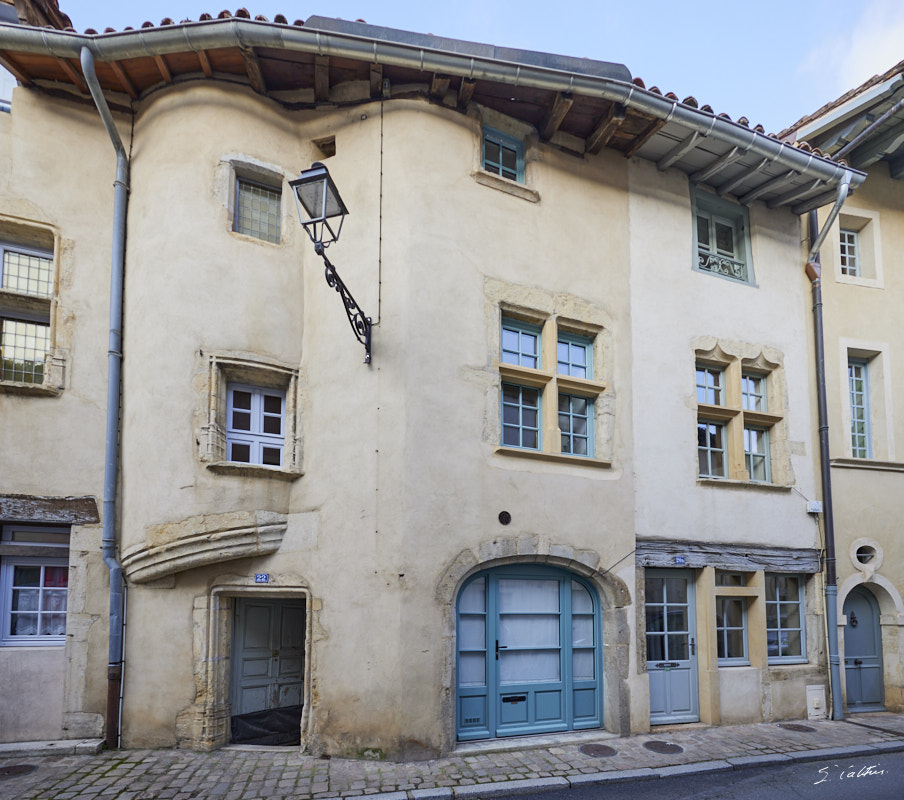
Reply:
x=721, y=238
x=503, y=155
x=33, y=588
x=858, y=383
x=735, y=421
x=255, y=425
x=258, y=210
x=26, y=271
x=850, y=252
x=548, y=391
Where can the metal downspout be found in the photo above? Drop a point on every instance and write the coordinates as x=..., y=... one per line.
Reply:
x=114, y=373
x=814, y=273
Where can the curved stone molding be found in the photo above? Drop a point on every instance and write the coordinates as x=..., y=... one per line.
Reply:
x=199, y=541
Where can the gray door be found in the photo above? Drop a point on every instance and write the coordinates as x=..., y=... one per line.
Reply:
x=267, y=670
x=863, y=652
x=671, y=646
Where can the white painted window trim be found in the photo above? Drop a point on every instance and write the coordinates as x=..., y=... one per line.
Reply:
x=866, y=224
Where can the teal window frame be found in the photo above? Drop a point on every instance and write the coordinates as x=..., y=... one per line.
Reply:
x=497, y=163
x=712, y=217
x=520, y=344
x=710, y=385
x=725, y=630
x=859, y=396
x=779, y=601
x=515, y=412
x=753, y=392
x=576, y=427
x=574, y=356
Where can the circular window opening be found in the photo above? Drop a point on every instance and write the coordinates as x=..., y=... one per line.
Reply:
x=865, y=554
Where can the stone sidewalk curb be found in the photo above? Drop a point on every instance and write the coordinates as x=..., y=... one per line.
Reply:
x=502, y=788
x=59, y=747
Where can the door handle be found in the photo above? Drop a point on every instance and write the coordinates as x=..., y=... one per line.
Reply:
x=858, y=662
x=500, y=647
x=693, y=646
x=276, y=654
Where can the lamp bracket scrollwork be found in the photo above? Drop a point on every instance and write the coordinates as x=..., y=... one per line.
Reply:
x=361, y=324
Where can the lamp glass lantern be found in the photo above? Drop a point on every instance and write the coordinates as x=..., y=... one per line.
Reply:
x=319, y=204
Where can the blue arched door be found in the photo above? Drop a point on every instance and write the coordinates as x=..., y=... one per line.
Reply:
x=863, y=652
x=529, y=654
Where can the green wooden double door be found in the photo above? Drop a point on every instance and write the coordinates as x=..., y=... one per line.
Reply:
x=529, y=654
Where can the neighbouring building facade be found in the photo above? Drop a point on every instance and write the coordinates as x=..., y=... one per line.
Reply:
x=863, y=291
x=569, y=491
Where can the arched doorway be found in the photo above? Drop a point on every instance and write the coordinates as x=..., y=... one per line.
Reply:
x=863, y=670
x=529, y=657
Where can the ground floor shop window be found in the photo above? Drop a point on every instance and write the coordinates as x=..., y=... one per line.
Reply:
x=529, y=653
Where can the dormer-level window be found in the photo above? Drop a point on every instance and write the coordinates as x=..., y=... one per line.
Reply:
x=503, y=155
x=721, y=238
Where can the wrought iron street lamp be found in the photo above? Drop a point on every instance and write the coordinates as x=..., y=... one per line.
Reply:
x=319, y=204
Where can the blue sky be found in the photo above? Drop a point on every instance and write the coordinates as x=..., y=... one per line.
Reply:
x=770, y=61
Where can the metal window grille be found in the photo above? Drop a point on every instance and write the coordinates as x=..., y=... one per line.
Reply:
x=720, y=246
x=858, y=381
x=258, y=210
x=575, y=424
x=850, y=253
x=23, y=347
x=26, y=272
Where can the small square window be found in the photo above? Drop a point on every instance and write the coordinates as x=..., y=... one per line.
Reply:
x=23, y=349
x=721, y=238
x=258, y=210
x=34, y=588
x=503, y=155
x=520, y=344
x=255, y=425
x=574, y=356
x=850, y=252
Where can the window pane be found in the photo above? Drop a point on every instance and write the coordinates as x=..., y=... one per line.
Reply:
x=54, y=625
x=54, y=600
x=258, y=210
x=273, y=425
x=26, y=599
x=472, y=633
x=724, y=238
x=23, y=348
x=582, y=667
x=472, y=669
x=791, y=643
x=23, y=625
x=492, y=151
x=528, y=630
x=271, y=456
x=678, y=648
x=676, y=590
x=509, y=159
x=655, y=618
x=473, y=598
x=56, y=576
x=582, y=631
x=27, y=273
x=677, y=618
x=703, y=231
x=26, y=576
x=531, y=667
x=241, y=399
x=655, y=648
x=241, y=420
x=272, y=404
x=735, y=644
x=240, y=452
x=528, y=596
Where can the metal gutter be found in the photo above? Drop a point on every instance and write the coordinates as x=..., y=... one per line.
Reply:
x=198, y=36
x=114, y=378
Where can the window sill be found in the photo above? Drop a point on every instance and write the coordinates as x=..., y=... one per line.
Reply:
x=791, y=662
x=769, y=487
x=54, y=642
x=254, y=471
x=855, y=280
x=485, y=178
x=868, y=463
x=35, y=389
x=558, y=458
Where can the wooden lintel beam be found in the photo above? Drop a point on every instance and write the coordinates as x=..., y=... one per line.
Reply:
x=163, y=68
x=554, y=116
x=376, y=80
x=439, y=85
x=321, y=78
x=644, y=136
x=606, y=128
x=466, y=91
x=253, y=70
x=73, y=74
x=17, y=72
x=123, y=79
x=205, y=63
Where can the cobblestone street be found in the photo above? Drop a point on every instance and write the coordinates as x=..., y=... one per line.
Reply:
x=276, y=773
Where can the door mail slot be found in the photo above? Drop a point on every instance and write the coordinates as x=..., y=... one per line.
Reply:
x=667, y=664
x=515, y=698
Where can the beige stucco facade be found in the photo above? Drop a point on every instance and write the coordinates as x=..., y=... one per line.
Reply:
x=395, y=490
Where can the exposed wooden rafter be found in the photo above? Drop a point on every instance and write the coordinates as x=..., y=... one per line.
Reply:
x=205, y=64
x=644, y=136
x=376, y=80
x=17, y=72
x=439, y=85
x=606, y=128
x=253, y=70
x=163, y=68
x=321, y=78
x=73, y=74
x=127, y=85
x=466, y=92
x=679, y=150
x=554, y=116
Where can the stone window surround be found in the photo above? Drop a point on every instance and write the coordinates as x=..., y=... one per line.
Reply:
x=866, y=224
x=225, y=368
x=231, y=168
x=526, y=134
x=37, y=236
x=878, y=359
